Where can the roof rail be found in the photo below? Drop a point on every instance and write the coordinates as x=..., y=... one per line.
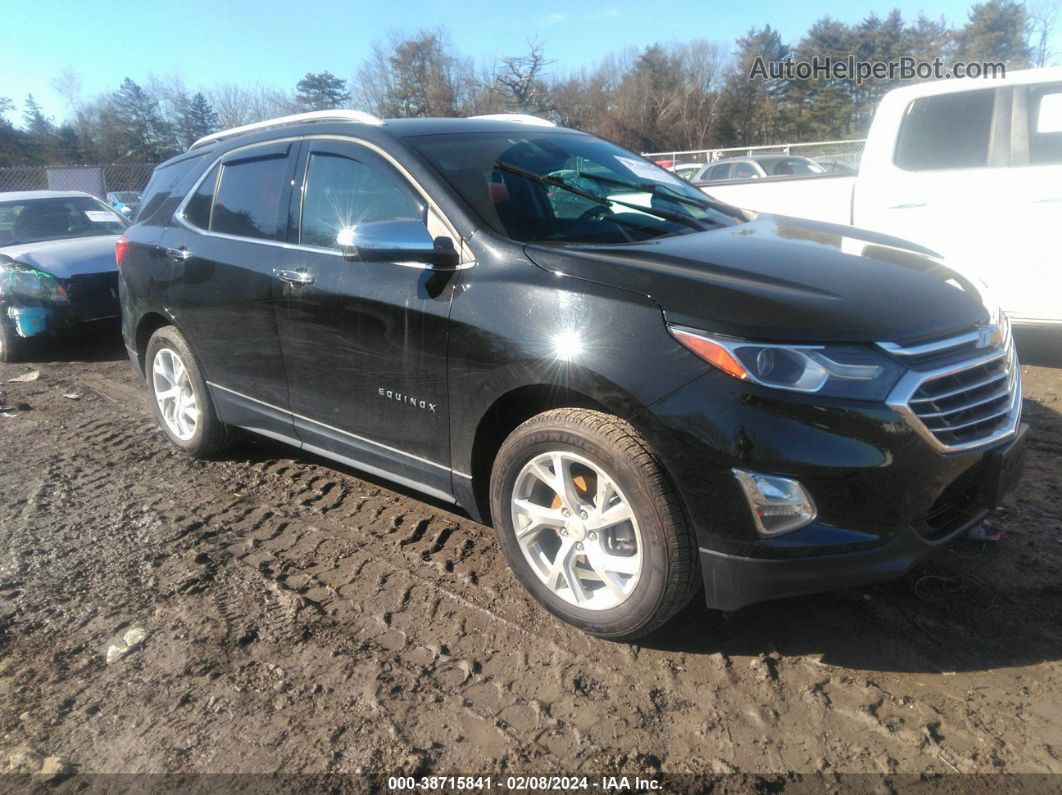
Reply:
x=359, y=116
x=522, y=118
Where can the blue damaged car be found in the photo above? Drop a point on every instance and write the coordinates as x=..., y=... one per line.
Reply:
x=57, y=265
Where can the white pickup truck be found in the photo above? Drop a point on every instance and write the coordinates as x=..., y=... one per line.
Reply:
x=971, y=169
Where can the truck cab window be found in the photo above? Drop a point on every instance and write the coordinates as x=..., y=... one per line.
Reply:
x=946, y=132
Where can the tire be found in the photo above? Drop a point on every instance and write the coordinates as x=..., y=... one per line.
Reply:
x=208, y=436
x=13, y=348
x=607, y=590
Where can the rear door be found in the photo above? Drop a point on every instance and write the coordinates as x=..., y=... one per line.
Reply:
x=225, y=250
x=943, y=186
x=1032, y=188
x=364, y=343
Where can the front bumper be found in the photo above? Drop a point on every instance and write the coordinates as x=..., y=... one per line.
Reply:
x=91, y=297
x=733, y=581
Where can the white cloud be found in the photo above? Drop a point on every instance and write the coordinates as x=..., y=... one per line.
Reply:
x=555, y=18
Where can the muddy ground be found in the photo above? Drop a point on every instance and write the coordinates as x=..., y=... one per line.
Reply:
x=301, y=617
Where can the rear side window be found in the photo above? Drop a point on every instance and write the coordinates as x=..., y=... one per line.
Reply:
x=1045, y=128
x=341, y=192
x=248, y=198
x=197, y=211
x=946, y=132
x=744, y=171
x=720, y=172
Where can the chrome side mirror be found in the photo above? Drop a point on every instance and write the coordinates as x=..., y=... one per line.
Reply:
x=405, y=241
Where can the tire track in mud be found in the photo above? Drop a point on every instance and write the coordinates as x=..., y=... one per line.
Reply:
x=283, y=549
x=424, y=590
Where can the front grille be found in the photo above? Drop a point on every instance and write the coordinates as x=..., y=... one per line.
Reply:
x=961, y=392
x=968, y=405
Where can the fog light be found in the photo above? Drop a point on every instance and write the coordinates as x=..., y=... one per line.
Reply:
x=779, y=505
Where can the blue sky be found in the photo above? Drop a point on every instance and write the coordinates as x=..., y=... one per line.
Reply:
x=275, y=42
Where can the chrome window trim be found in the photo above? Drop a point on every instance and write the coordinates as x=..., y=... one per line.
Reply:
x=178, y=214
x=900, y=398
x=337, y=430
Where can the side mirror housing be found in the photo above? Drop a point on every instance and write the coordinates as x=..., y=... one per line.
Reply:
x=404, y=241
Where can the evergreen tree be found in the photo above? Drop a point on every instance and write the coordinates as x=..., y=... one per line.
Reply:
x=38, y=131
x=146, y=135
x=750, y=103
x=12, y=145
x=67, y=148
x=203, y=120
x=195, y=118
x=997, y=31
x=321, y=91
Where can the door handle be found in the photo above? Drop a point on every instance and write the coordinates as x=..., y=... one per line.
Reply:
x=297, y=278
x=179, y=254
x=909, y=206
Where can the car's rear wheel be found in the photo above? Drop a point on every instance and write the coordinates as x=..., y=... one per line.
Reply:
x=179, y=395
x=590, y=524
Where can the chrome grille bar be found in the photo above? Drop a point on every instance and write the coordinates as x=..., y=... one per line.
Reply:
x=971, y=409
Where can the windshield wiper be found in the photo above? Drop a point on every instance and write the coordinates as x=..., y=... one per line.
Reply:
x=655, y=187
x=677, y=218
x=648, y=187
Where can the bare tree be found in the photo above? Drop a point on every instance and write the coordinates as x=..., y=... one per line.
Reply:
x=519, y=80
x=1043, y=18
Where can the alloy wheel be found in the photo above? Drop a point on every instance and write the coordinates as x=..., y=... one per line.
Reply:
x=174, y=394
x=577, y=530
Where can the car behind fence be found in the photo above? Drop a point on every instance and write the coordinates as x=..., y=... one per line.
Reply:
x=846, y=153
x=97, y=180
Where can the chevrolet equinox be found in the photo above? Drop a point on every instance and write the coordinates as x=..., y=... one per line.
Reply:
x=646, y=392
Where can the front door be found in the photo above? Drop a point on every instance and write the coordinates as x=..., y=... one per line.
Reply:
x=364, y=343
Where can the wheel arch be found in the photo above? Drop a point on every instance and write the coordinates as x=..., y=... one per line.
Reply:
x=150, y=322
x=510, y=410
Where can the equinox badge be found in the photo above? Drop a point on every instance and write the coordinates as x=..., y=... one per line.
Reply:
x=410, y=401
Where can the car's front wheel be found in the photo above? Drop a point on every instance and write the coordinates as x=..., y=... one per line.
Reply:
x=179, y=395
x=590, y=524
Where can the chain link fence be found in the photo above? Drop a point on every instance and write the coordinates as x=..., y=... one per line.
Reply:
x=846, y=153
x=97, y=180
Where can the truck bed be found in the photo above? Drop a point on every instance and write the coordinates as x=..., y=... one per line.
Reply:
x=821, y=197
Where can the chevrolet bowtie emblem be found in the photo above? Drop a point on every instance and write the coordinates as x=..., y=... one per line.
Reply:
x=989, y=336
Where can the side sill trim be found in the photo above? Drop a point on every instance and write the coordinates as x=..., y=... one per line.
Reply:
x=339, y=430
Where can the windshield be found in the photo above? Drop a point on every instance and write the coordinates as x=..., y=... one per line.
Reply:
x=124, y=196
x=34, y=220
x=567, y=187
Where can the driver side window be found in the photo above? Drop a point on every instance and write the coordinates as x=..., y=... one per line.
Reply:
x=340, y=192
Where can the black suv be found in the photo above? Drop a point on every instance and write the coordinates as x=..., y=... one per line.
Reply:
x=646, y=392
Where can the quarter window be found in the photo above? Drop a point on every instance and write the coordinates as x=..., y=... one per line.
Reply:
x=946, y=132
x=1045, y=130
x=248, y=198
x=197, y=211
x=744, y=171
x=341, y=192
x=720, y=172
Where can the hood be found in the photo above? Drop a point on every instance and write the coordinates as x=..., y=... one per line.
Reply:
x=784, y=279
x=66, y=258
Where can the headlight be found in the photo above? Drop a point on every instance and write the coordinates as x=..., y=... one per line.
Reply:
x=846, y=371
x=21, y=281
